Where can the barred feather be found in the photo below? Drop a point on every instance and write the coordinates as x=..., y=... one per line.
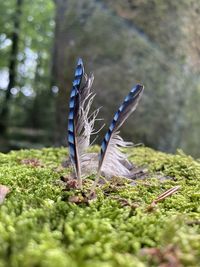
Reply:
x=111, y=158
x=73, y=118
x=80, y=121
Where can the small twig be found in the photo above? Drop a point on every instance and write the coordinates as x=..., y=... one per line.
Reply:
x=167, y=193
x=162, y=196
x=193, y=223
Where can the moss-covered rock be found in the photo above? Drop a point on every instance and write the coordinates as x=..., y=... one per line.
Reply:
x=40, y=227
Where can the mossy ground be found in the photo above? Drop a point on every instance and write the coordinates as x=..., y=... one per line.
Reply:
x=39, y=227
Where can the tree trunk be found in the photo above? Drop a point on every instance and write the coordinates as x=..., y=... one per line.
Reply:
x=59, y=75
x=12, y=67
x=35, y=112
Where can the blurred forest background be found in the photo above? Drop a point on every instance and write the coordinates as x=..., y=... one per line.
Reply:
x=154, y=42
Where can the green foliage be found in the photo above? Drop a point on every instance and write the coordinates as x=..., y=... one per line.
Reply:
x=154, y=42
x=33, y=85
x=39, y=227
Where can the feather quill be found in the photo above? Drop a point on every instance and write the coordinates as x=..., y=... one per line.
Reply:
x=111, y=159
x=80, y=121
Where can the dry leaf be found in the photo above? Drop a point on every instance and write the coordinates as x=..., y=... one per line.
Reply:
x=4, y=190
x=76, y=199
x=125, y=202
x=167, y=257
x=69, y=182
x=83, y=198
x=32, y=162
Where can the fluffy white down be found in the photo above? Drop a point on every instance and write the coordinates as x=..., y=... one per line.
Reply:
x=114, y=158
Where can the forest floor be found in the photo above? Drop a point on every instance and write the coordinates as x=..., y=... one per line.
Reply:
x=42, y=223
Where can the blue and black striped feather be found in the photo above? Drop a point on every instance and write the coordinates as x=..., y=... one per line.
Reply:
x=110, y=156
x=80, y=121
x=74, y=104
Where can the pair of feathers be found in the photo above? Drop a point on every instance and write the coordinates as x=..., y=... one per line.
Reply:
x=110, y=161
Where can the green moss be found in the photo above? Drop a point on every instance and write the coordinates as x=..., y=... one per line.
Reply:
x=39, y=228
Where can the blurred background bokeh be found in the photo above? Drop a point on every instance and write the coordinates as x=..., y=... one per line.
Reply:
x=154, y=42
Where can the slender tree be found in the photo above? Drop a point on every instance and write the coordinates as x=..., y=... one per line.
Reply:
x=12, y=67
x=59, y=69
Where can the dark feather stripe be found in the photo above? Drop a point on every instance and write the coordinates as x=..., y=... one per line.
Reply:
x=73, y=113
x=119, y=118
